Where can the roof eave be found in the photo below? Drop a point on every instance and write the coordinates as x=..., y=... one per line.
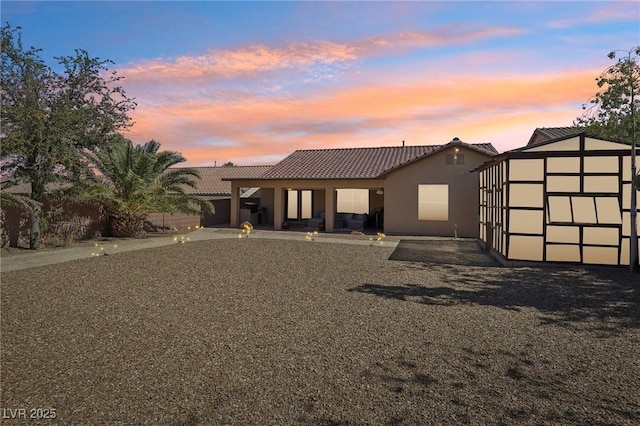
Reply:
x=305, y=178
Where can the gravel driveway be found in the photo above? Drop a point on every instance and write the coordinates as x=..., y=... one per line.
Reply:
x=259, y=331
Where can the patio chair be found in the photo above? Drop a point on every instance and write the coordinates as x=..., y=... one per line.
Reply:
x=315, y=222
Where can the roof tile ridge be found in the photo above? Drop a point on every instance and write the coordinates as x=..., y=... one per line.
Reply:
x=368, y=148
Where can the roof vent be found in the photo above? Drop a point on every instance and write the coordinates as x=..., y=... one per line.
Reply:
x=455, y=140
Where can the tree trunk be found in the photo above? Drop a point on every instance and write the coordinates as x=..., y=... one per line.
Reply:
x=124, y=225
x=37, y=194
x=34, y=234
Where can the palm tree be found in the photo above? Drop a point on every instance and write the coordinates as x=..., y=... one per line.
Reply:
x=15, y=200
x=136, y=180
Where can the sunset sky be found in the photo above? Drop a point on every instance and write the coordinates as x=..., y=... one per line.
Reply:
x=250, y=82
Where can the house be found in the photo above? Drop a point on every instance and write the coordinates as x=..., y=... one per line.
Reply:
x=564, y=197
x=212, y=187
x=421, y=190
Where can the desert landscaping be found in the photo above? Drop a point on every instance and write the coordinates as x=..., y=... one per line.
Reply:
x=276, y=331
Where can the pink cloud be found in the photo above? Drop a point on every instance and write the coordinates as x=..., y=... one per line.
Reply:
x=243, y=62
x=251, y=60
x=421, y=111
x=246, y=104
x=449, y=35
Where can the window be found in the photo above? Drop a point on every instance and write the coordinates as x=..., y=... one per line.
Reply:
x=299, y=204
x=433, y=202
x=353, y=200
x=292, y=204
x=454, y=159
x=559, y=209
x=305, y=205
x=583, y=209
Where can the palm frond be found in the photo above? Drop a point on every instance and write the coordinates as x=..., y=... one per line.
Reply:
x=137, y=180
x=16, y=200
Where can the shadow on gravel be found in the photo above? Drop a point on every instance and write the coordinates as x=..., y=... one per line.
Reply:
x=528, y=377
x=566, y=296
x=454, y=252
x=605, y=302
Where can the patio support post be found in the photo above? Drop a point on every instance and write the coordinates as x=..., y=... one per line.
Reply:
x=330, y=208
x=235, y=205
x=278, y=208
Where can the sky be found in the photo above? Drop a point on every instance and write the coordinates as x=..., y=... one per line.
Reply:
x=251, y=82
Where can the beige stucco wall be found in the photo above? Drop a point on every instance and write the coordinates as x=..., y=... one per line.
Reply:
x=401, y=195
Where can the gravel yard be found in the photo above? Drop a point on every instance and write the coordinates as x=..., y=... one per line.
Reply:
x=261, y=331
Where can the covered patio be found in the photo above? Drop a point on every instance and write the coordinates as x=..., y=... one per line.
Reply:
x=329, y=205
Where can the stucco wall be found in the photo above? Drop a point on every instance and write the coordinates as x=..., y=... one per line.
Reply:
x=266, y=201
x=63, y=222
x=222, y=213
x=401, y=195
x=180, y=221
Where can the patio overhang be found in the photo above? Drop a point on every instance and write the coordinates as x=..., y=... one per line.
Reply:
x=328, y=187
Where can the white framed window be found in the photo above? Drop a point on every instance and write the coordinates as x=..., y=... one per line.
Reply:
x=352, y=200
x=433, y=202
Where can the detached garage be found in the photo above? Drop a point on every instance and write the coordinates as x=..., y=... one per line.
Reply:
x=565, y=199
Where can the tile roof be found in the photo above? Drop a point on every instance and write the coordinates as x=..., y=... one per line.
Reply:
x=357, y=163
x=19, y=188
x=211, y=182
x=543, y=134
x=24, y=188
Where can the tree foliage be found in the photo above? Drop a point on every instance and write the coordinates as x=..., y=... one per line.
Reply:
x=610, y=112
x=49, y=118
x=136, y=180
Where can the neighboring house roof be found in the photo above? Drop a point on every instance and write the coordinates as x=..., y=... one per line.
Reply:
x=358, y=163
x=19, y=188
x=24, y=188
x=211, y=183
x=539, y=146
x=577, y=131
x=544, y=134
